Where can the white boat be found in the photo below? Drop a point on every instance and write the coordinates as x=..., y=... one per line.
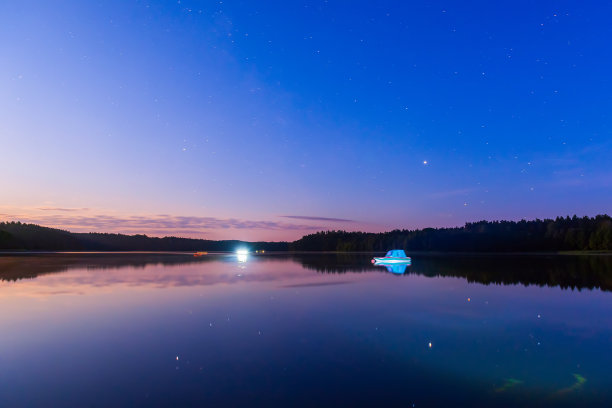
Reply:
x=395, y=256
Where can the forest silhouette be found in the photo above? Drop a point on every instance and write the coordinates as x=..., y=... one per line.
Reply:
x=559, y=234
x=17, y=236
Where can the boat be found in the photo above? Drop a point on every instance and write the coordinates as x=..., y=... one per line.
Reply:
x=201, y=253
x=395, y=256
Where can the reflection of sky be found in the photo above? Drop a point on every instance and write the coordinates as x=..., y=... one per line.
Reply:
x=228, y=269
x=246, y=329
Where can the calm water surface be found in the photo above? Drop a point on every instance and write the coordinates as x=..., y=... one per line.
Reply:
x=304, y=330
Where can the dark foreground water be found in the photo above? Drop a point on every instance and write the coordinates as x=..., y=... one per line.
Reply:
x=304, y=330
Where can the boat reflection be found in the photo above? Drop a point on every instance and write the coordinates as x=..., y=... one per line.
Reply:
x=397, y=269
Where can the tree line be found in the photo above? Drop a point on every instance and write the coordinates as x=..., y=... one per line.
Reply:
x=559, y=234
x=18, y=236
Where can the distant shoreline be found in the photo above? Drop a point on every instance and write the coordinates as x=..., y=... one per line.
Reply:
x=562, y=235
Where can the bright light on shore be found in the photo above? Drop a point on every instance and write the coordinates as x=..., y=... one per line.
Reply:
x=242, y=255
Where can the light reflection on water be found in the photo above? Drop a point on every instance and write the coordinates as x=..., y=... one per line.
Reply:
x=320, y=329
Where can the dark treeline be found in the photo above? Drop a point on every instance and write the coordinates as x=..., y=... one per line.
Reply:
x=560, y=234
x=18, y=236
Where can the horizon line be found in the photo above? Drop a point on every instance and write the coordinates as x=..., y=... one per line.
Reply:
x=320, y=231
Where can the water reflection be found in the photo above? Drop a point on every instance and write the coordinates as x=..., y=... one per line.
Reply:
x=47, y=274
x=397, y=269
x=564, y=271
x=269, y=331
x=17, y=267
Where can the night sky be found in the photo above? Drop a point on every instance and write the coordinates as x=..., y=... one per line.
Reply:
x=270, y=120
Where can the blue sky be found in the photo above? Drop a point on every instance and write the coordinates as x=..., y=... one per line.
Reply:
x=219, y=119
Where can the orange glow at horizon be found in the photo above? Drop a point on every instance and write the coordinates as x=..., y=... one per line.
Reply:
x=84, y=220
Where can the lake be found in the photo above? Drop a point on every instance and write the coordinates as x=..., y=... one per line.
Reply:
x=123, y=330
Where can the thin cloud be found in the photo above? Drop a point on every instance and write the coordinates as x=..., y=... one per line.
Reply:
x=158, y=223
x=452, y=193
x=309, y=218
x=576, y=178
x=61, y=209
